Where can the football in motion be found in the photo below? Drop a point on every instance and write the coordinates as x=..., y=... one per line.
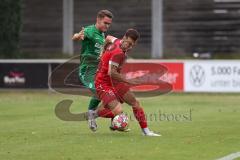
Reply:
x=120, y=122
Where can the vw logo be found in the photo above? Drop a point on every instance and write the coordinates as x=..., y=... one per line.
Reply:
x=197, y=75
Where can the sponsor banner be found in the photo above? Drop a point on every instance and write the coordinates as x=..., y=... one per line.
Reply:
x=21, y=75
x=149, y=74
x=174, y=75
x=212, y=76
x=169, y=72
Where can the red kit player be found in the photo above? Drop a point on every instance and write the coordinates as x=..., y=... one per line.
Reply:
x=112, y=87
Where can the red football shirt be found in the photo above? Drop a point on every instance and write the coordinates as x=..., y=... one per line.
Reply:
x=113, y=55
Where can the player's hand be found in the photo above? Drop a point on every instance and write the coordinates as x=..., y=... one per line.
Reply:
x=79, y=36
x=110, y=39
x=75, y=37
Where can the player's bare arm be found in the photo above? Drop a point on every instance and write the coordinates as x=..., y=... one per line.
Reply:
x=113, y=73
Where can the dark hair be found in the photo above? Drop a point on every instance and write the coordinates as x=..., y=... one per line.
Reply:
x=132, y=33
x=104, y=13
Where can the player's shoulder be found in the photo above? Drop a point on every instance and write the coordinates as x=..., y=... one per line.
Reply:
x=89, y=31
x=117, y=41
x=89, y=28
x=117, y=44
x=117, y=51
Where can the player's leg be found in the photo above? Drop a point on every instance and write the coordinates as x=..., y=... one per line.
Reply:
x=93, y=104
x=111, y=104
x=87, y=75
x=87, y=78
x=109, y=110
x=109, y=100
x=138, y=112
x=104, y=111
x=92, y=114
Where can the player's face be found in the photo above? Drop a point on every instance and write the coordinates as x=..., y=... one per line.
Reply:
x=104, y=23
x=127, y=43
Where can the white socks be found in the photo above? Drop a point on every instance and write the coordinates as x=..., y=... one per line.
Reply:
x=145, y=130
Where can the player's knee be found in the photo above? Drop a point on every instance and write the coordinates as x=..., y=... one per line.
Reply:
x=136, y=104
x=117, y=110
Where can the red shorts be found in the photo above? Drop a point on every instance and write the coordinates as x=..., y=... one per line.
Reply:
x=108, y=93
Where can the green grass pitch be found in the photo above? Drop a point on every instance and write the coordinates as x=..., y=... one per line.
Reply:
x=193, y=126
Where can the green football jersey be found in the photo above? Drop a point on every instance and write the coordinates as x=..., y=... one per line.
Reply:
x=92, y=46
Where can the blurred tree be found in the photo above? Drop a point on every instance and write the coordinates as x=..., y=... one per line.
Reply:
x=10, y=25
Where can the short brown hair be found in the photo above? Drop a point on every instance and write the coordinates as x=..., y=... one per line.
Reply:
x=104, y=13
x=132, y=33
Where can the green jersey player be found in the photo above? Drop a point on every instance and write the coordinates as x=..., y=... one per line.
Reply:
x=93, y=40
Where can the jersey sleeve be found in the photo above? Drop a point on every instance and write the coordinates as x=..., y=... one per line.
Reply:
x=116, y=59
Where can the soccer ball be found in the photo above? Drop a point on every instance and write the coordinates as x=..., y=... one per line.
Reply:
x=120, y=122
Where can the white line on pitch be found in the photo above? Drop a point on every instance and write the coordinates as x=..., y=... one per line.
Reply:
x=230, y=156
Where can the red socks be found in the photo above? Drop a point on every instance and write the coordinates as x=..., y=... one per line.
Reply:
x=138, y=113
x=106, y=113
x=140, y=116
